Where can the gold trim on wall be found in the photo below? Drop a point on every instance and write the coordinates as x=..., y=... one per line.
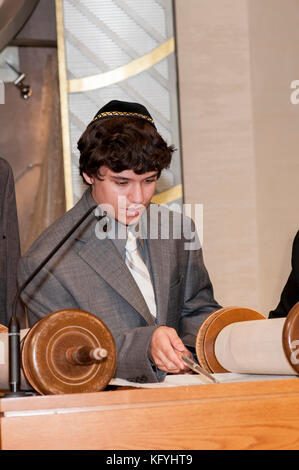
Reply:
x=64, y=107
x=169, y=195
x=124, y=72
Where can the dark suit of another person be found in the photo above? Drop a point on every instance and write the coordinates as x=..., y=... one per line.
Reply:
x=290, y=293
x=9, y=241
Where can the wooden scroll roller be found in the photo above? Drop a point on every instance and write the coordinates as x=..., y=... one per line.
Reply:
x=241, y=340
x=68, y=351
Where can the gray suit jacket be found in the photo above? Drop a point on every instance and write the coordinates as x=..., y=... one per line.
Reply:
x=88, y=273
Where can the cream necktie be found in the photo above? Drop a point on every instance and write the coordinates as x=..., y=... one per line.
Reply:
x=140, y=273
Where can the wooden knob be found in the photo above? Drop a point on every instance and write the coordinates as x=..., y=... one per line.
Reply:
x=68, y=351
x=210, y=329
x=84, y=355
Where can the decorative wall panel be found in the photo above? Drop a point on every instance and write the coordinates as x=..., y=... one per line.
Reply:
x=117, y=49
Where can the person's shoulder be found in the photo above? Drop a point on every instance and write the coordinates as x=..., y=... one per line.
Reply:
x=55, y=233
x=4, y=165
x=295, y=250
x=5, y=170
x=174, y=219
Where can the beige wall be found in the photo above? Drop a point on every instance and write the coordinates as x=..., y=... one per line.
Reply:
x=236, y=60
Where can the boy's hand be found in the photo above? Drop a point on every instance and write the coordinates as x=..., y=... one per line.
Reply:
x=166, y=349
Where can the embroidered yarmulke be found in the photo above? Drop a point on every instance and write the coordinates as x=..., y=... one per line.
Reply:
x=124, y=108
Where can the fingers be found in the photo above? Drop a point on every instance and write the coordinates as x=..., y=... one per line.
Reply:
x=189, y=354
x=167, y=364
x=166, y=349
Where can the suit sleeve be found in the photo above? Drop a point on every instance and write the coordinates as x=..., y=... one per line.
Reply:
x=199, y=301
x=290, y=293
x=133, y=362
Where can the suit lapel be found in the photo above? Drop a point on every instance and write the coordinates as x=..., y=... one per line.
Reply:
x=105, y=260
x=102, y=256
x=160, y=266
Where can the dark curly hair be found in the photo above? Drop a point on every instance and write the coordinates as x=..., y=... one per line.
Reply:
x=122, y=143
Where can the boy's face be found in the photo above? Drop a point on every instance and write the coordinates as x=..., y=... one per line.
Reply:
x=123, y=195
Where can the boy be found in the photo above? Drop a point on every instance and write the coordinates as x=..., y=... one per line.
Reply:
x=150, y=291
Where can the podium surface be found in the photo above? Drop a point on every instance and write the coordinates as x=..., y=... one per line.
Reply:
x=248, y=415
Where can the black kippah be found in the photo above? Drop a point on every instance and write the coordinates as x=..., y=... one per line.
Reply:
x=123, y=108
